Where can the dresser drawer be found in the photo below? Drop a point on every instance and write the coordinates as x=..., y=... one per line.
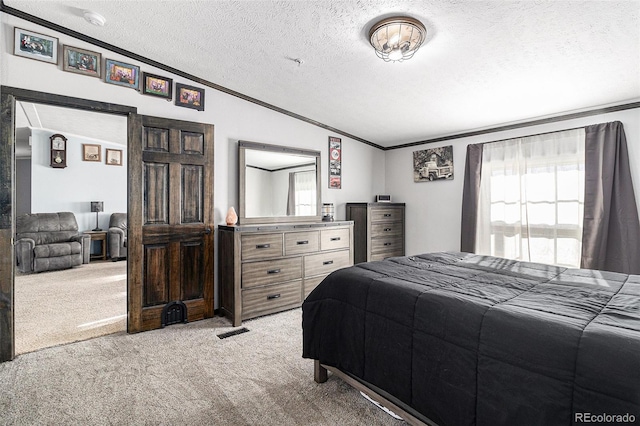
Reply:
x=386, y=254
x=323, y=263
x=386, y=244
x=301, y=242
x=386, y=229
x=271, y=298
x=331, y=239
x=386, y=214
x=271, y=271
x=310, y=283
x=261, y=246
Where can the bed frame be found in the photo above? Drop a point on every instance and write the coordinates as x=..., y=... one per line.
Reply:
x=411, y=416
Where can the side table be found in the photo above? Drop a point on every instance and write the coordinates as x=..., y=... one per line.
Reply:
x=102, y=237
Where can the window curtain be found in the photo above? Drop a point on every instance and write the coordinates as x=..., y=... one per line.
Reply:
x=301, y=199
x=470, y=193
x=305, y=193
x=291, y=195
x=611, y=229
x=531, y=198
x=611, y=235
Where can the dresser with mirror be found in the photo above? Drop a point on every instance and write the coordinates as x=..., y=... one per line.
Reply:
x=280, y=249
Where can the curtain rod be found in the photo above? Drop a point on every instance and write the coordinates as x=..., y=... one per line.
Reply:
x=530, y=136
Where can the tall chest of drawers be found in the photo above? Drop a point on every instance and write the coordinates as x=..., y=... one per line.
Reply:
x=378, y=230
x=264, y=269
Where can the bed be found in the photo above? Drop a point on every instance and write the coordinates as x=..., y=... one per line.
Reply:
x=460, y=339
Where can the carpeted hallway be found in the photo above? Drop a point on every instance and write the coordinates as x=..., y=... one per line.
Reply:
x=57, y=307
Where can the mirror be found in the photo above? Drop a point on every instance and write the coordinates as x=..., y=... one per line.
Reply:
x=277, y=184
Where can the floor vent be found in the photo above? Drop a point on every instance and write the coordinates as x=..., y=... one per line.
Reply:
x=233, y=332
x=174, y=313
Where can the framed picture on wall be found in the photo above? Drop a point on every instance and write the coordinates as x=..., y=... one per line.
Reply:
x=35, y=46
x=122, y=74
x=155, y=85
x=91, y=152
x=335, y=162
x=189, y=97
x=81, y=61
x=114, y=157
x=433, y=164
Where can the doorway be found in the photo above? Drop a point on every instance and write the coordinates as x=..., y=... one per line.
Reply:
x=90, y=300
x=169, y=214
x=8, y=98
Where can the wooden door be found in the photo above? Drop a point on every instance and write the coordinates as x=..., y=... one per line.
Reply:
x=170, y=237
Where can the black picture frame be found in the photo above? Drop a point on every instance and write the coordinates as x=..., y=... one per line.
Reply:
x=189, y=97
x=156, y=85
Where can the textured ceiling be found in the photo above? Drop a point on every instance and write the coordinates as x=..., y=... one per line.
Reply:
x=484, y=63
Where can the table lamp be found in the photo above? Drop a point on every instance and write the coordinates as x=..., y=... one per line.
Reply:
x=97, y=206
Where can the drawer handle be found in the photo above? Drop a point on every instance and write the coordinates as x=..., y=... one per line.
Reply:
x=387, y=215
x=263, y=246
x=335, y=239
x=273, y=271
x=302, y=242
x=273, y=296
x=387, y=229
x=387, y=244
x=327, y=262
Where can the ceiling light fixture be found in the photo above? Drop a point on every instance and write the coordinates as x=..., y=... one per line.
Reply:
x=397, y=39
x=94, y=18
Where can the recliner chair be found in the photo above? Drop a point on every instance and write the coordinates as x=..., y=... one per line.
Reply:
x=50, y=241
x=117, y=236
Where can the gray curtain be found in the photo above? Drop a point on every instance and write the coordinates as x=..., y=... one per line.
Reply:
x=470, y=194
x=611, y=233
x=291, y=195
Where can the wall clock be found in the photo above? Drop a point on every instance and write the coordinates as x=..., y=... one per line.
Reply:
x=58, y=151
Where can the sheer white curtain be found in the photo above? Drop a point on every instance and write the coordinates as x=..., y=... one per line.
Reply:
x=531, y=200
x=305, y=193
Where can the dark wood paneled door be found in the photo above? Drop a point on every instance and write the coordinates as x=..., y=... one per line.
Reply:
x=170, y=236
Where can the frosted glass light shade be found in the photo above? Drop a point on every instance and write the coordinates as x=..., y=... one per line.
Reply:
x=397, y=39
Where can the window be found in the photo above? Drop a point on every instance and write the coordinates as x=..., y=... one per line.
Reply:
x=305, y=193
x=531, y=200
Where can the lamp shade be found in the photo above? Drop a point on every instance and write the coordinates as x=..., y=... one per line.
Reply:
x=97, y=206
x=397, y=39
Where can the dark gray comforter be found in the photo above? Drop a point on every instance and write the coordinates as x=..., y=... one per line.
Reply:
x=478, y=340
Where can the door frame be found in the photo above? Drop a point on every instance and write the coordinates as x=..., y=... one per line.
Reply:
x=8, y=97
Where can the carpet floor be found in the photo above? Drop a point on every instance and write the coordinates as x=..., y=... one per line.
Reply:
x=181, y=375
x=58, y=307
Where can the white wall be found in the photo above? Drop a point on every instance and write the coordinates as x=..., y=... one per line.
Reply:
x=72, y=188
x=434, y=209
x=259, y=195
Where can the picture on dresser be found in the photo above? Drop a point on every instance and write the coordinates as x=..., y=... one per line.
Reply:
x=433, y=164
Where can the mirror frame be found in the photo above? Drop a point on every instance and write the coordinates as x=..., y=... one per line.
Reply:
x=242, y=182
